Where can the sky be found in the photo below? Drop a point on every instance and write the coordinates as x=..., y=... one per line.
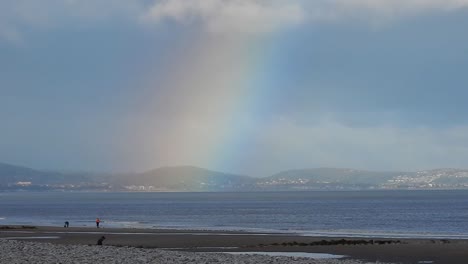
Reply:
x=252, y=87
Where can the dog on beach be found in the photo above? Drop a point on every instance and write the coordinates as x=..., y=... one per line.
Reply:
x=99, y=242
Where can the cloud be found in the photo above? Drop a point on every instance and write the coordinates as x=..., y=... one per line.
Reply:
x=19, y=16
x=385, y=9
x=403, y=6
x=229, y=15
x=270, y=15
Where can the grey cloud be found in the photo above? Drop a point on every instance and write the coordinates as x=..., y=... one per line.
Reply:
x=17, y=16
x=267, y=15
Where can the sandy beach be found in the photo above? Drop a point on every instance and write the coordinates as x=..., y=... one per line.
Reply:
x=183, y=246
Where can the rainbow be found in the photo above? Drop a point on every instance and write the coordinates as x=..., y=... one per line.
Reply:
x=221, y=87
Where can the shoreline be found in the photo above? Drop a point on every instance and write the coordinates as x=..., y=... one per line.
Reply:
x=304, y=233
x=364, y=249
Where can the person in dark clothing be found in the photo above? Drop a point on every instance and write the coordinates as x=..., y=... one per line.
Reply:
x=97, y=222
x=99, y=242
x=66, y=224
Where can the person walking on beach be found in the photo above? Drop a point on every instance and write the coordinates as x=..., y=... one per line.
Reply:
x=97, y=222
x=66, y=224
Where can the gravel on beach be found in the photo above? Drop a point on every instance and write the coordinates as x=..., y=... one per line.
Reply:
x=12, y=252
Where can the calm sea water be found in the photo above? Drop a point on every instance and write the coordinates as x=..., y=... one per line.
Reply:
x=436, y=214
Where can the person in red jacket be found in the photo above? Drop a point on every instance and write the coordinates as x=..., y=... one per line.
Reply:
x=97, y=222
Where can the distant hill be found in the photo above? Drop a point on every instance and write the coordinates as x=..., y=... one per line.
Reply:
x=12, y=174
x=343, y=179
x=348, y=176
x=317, y=178
x=193, y=179
x=438, y=178
x=189, y=178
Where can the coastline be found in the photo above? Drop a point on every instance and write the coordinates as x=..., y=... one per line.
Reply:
x=361, y=249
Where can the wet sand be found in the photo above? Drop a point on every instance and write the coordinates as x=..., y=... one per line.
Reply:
x=404, y=251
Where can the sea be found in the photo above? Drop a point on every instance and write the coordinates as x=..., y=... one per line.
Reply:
x=392, y=214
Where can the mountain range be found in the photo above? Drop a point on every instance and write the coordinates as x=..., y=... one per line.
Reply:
x=194, y=179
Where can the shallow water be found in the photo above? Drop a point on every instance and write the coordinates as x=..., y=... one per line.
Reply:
x=425, y=214
x=290, y=254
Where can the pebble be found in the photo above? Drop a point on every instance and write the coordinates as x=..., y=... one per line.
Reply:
x=16, y=252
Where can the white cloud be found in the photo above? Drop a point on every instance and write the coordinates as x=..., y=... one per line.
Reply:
x=229, y=15
x=214, y=15
x=269, y=15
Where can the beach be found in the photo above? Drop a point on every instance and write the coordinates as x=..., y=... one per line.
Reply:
x=122, y=245
x=23, y=252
